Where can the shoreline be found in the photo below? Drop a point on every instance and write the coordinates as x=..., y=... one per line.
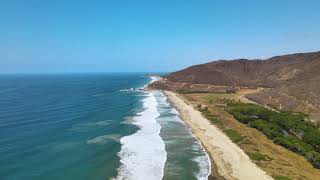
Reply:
x=228, y=161
x=133, y=147
x=214, y=175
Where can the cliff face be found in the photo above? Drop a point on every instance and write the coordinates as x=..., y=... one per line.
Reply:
x=294, y=79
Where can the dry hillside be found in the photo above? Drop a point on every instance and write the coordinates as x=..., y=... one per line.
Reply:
x=294, y=80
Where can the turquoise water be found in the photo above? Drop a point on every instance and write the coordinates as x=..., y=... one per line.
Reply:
x=83, y=127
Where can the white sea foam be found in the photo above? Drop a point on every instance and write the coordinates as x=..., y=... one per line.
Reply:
x=143, y=154
x=203, y=161
x=140, y=89
x=132, y=90
x=204, y=164
x=155, y=78
x=174, y=111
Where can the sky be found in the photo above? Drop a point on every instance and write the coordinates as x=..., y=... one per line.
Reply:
x=66, y=36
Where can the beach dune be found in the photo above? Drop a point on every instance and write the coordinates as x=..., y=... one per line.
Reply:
x=231, y=162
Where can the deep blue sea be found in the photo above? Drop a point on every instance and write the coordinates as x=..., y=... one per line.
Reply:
x=93, y=127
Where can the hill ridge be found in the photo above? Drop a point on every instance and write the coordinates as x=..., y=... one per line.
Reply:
x=293, y=79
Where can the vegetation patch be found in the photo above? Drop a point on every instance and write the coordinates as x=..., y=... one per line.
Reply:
x=231, y=133
x=288, y=129
x=187, y=91
x=281, y=177
x=256, y=156
x=212, y=118
x=234, y=135
x=245, y=141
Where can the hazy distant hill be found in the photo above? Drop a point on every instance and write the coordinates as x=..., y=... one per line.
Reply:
x=294, y=79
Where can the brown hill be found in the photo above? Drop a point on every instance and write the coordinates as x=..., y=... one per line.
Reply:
x=294, y=79
x=243, y=72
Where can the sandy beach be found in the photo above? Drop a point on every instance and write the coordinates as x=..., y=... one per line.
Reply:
x=230, y=161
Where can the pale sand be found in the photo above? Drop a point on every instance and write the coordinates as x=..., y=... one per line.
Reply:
x=231, y=162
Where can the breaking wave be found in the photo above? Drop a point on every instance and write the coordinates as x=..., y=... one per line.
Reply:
x=143, y=153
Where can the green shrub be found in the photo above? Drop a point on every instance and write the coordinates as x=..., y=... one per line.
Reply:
x=277, y=177
x=270, y=130
x=314, y=158
x=288, y=129
x=256, y=156
x=234, y=135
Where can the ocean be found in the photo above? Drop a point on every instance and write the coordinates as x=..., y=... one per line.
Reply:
x=93, y=126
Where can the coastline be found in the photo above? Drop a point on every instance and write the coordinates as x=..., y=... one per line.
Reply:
x=153, y=157
x=214, y=174
x=186, y=157
x=228, y=161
